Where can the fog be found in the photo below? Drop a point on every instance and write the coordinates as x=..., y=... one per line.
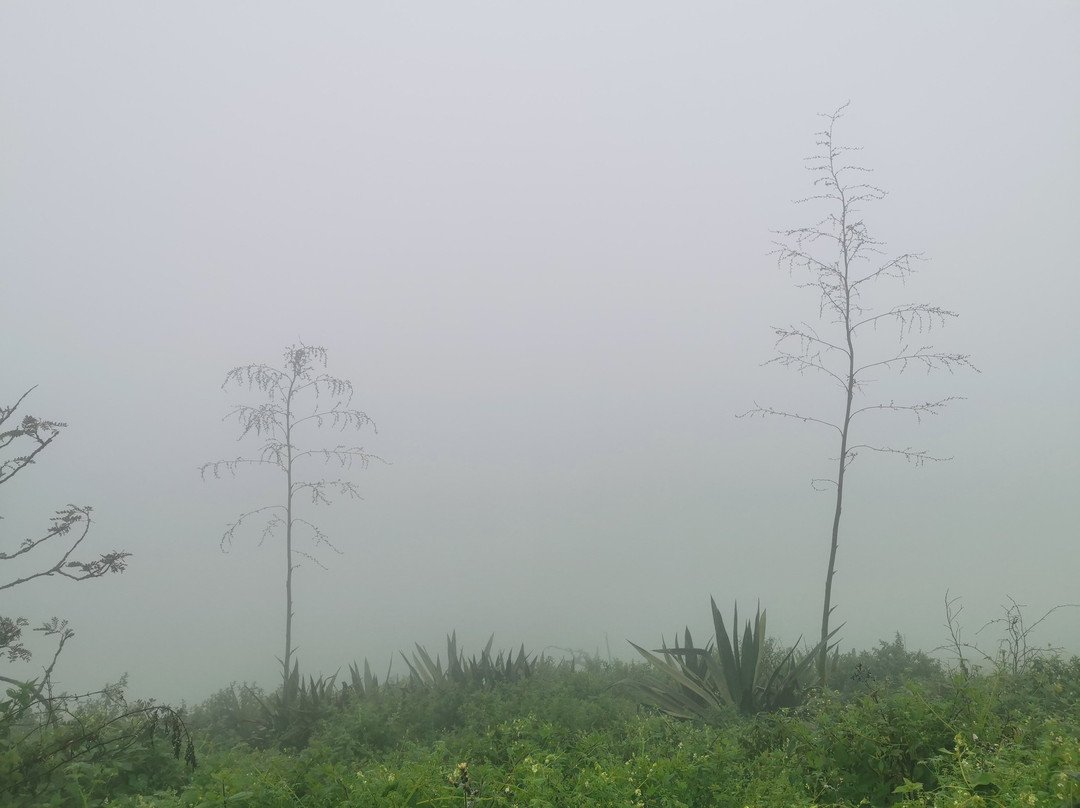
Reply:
x=536, y=238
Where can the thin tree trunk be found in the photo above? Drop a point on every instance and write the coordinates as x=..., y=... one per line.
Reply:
x=826, y=612
x=287, y=660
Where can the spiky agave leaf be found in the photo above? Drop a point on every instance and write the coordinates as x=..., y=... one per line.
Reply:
x=455, y=671
x=365, y=686
x=739, y=664
x=699, y=663
x=414, y=674
x=434, y=669
x=695, y=659
x=685, y=693
x=674, y=695
x=521, y=667
x=481, y=672
x=426, y=672
x=670, y=701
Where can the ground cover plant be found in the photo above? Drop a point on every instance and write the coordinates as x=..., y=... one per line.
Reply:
x=901, y=729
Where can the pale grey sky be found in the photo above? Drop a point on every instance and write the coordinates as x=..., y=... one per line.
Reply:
x=535, y=237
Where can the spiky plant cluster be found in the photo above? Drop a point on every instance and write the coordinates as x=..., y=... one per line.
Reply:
x=484, y=672
x=704, y=683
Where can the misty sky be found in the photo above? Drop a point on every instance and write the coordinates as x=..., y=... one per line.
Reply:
x=536, y=238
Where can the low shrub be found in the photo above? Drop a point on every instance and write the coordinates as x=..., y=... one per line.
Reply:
x=565, y=736
x=68, y=750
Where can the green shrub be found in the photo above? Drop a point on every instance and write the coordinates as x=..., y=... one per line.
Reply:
x=564, y=736
x=231, y=716
x=889, y=666
x=80, y=750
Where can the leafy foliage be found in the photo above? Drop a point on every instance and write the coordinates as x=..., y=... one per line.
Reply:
x=566, y=735
x=232, y=716
x=86, y=748
x=885, y=668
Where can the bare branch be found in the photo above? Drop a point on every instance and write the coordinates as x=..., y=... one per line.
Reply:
x=1015, y=654
x=318, y=490
x=329, y=385
x=917, y=456
x=769, y=411
x=263, y=419
x=924, y=356
x=911, y=317
x=264, y=378
x=318, y=538
x=807, y=360
x=231, y=466
x=53, y=628
x=345, y=456
x=897, y=268
x=230, y=531
x=808, y=339
x=339, y=419
x=918, y=410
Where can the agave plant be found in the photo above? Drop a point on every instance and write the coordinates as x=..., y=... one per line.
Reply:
x=702, y=682
x=428, y=672
x=365, y=686
x=485, y=672
x=505, y=667
x=290, y=715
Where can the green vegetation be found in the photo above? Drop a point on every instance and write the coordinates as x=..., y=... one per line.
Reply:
x=70, y=749
x=902, y=730
x=81, y=750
